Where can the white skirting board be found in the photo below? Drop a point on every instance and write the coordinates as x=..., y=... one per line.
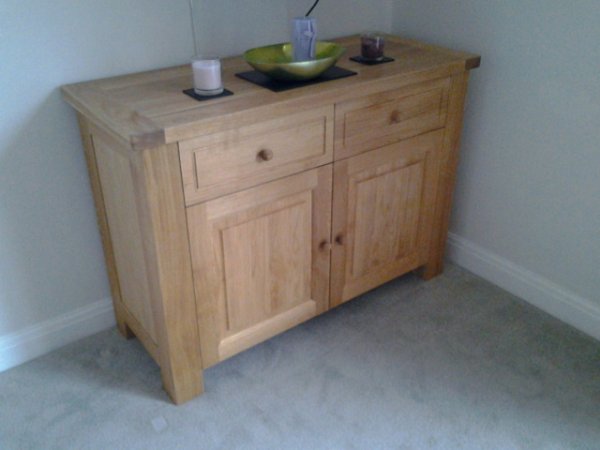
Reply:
x=561, y=303
x=36, y=340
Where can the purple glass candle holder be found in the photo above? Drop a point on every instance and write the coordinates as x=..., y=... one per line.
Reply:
x=371, y=46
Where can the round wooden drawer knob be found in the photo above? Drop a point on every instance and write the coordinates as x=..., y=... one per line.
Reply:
x=264, y=155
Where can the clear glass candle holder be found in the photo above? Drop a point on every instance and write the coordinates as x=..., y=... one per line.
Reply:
x=207, y=75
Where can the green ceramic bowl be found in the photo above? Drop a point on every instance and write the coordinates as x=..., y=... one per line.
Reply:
x=276, y=61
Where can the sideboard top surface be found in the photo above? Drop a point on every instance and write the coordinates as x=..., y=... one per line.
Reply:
x=148, y=109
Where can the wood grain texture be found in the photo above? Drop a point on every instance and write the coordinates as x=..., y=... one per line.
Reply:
x=220, y=163
x=109, y=255
x=149, y=109
x=321, y=202
x=121, y=205
x=168, y=255
x=447, y=176
x=382, y=214
x=372, y=121
x=110, y=113
x=253, y=260
x=266, y=329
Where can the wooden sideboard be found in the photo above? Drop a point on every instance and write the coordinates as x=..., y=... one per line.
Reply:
x=228, y=221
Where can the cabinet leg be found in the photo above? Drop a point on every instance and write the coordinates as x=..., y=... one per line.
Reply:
x=164, y=225
x=430, y=270
x=182, y=387
x=124, y=329
x=121, y=316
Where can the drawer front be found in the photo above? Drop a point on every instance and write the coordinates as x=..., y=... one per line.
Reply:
x=387, y=117
x=229, y=161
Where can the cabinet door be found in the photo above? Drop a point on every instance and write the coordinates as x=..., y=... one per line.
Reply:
x=382, y=214
x=261, y=261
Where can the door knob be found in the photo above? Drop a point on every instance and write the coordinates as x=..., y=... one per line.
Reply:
x=324, y=245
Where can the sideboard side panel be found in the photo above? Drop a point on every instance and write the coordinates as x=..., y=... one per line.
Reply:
x=109, y=254
x=164, y=227
x=119, y=194
x=447, y=176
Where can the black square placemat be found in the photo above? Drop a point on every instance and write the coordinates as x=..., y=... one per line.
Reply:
x=253, y=76
x=371, y=62
x=201, y=98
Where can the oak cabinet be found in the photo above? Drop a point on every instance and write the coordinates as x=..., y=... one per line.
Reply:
x=227, y=221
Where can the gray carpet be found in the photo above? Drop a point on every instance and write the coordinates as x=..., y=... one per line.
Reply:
x=450, y=363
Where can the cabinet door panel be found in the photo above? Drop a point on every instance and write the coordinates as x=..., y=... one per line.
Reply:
x=382, y=214
x=259, y=267
x=389, y=199
x=266, y=260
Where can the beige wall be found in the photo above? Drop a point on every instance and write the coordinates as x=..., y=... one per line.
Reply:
x=53, y=285
x=527, y=210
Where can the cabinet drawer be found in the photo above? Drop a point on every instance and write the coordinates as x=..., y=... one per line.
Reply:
x=229, y=161
x=381, y=119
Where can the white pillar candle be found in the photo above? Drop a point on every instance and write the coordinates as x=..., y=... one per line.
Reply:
x=207, y=75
